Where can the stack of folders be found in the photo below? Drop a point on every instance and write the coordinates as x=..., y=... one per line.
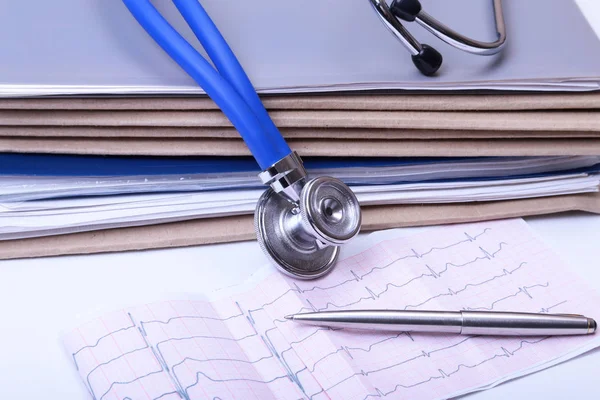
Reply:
x=111, y=147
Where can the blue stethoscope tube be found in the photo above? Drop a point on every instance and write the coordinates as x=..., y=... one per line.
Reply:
x=229, y=88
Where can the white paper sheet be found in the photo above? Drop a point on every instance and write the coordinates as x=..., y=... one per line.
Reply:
x=53, y=217
x=240, y=346
x=60, y=216
x=27, y=187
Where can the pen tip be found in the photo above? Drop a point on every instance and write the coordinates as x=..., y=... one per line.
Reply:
x=290, y=317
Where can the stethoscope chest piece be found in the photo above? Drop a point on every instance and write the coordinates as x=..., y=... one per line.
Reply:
x=302, y=238
x=330, y=211
x=300, y=224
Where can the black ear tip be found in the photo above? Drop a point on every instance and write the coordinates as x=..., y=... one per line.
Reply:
x=406, y=9
x=428, y=61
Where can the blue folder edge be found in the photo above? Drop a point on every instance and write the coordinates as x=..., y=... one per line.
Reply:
x=13, y=164
x=36, y=165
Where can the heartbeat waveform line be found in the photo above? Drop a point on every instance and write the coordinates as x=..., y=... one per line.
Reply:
x=444, y=375
x=270, y=348
x=267, y=343
x=298, y=290
x=284, y=364
x=466, y=287
x=297, y=373
x=291, y=344
x=370, y=347
x=212, y=337
x=202, y=337
x=467, y=240
x=194, y=337
x=293, y=378
x=372, y=270
x=414, y=255
x=156, y=321
x=522, y=290
x=349, y=350
x=123, y=355
x=166, y=394
x=208, y=360
x=245, y=337
x=200, y=373
x=100, y=339
x=119, y=383
x=423, y=354
x=431, y=272
x=487, y=256
x=235, y=339
x=374, y=296
x=547, y=309
x=89, y=374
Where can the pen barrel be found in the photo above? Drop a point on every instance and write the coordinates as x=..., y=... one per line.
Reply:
x=416, y=321
x=525, y=324
x=395, y=321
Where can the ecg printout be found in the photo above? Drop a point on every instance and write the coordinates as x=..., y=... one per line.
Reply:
x=242, y=347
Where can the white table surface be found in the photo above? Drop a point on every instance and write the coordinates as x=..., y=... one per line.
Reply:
x=41, y=298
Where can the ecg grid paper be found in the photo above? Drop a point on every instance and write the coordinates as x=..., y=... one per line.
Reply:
x=243, y=347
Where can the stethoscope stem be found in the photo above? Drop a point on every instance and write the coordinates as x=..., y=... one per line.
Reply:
x=300, y=223
x=229, y=88
x=229, y=67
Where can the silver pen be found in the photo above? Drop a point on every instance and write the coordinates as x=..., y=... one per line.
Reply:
x=458, y=322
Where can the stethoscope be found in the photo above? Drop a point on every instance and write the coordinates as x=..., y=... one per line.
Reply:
x=427, y=59
x=300, y=223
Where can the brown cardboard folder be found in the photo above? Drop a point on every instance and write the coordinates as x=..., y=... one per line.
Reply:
x=240, y=228
x=450, y=120
x=361, y=125
x=502, y=101
x=306, y=147
x=107, y=132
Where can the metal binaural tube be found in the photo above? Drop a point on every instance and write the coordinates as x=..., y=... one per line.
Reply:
x=465, y=43
x=396, y=27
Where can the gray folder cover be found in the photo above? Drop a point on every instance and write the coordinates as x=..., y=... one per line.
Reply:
x=95, y=46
